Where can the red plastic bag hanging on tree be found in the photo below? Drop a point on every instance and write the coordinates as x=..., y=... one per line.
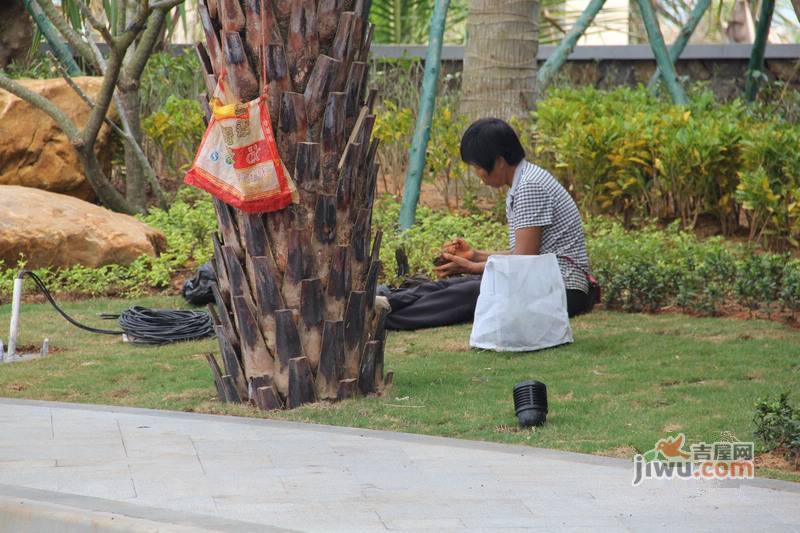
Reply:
x=238, y=160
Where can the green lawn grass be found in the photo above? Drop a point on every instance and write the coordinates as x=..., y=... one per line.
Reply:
x=628, y=379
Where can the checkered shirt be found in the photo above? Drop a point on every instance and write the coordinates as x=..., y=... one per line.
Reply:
x=537, y=199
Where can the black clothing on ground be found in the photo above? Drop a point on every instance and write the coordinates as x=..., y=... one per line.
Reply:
x=428, y=304
x=578, y=302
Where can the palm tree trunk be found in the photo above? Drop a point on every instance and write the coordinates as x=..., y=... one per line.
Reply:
x=500, y=58
x=16, y=32
x=295, y=303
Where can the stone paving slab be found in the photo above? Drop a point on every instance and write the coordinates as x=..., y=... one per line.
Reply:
x=252, y=474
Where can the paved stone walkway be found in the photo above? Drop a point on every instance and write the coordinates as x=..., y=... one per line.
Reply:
x=199, y=472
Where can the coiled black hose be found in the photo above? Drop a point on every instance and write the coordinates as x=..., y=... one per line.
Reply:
x=162, y=326
x=141, y=325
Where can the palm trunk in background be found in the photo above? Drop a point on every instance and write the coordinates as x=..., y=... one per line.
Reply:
x=500, y=58
x=16, y=32
x=295, y=306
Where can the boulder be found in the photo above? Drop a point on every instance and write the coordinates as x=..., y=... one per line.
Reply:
x=56, y=230
x=33, y=150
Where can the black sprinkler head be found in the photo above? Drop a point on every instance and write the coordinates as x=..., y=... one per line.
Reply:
x=530, y=403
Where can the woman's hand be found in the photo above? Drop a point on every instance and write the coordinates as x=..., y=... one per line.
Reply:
x=457, y=265
x=459, y=247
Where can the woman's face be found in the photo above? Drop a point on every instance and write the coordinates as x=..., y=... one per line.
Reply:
x=497, y=177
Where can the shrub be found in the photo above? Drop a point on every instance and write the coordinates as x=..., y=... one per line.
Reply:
x=657, y=160
x=172, y=116
x=176, y=130
x=643, y=270
x=769, y=186
x=654, y=161
x=759, y=281
x=394, y=127
x=423, y=241
x=778, y=425
x=790, y=293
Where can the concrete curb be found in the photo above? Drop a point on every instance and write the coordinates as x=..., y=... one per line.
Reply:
x=513, y=449
x=24, y=509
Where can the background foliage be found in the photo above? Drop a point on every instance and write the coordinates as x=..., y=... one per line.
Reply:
x=643, y=270
x=725, y=161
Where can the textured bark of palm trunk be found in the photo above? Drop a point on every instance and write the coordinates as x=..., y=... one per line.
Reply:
x=294, y=311
x=500, y=66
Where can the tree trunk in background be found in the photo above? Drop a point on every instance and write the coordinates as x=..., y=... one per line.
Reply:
x=295, y=312
x=16, y=32
x=637, y=34
x=135, y=183
x=741, y=26
x=500, y=58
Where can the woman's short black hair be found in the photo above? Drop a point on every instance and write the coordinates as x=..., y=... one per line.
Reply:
x=486, y=140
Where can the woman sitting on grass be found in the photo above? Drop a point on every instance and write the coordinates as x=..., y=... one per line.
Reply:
x=542, y=219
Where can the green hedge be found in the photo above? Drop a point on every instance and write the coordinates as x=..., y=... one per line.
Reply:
x=629, y=154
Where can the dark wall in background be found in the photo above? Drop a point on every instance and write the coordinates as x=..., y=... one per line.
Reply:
x=721, y=66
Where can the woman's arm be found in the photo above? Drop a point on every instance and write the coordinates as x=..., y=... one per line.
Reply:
x=465, y=260
x=528, y=241
x=461, y=248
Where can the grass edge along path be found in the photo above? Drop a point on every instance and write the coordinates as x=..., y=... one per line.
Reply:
x=628, y=380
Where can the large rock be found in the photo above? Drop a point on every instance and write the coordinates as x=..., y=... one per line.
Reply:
x=56, y=230
x=33, y=150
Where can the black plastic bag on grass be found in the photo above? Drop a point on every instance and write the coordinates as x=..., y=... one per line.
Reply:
x=197, y=291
